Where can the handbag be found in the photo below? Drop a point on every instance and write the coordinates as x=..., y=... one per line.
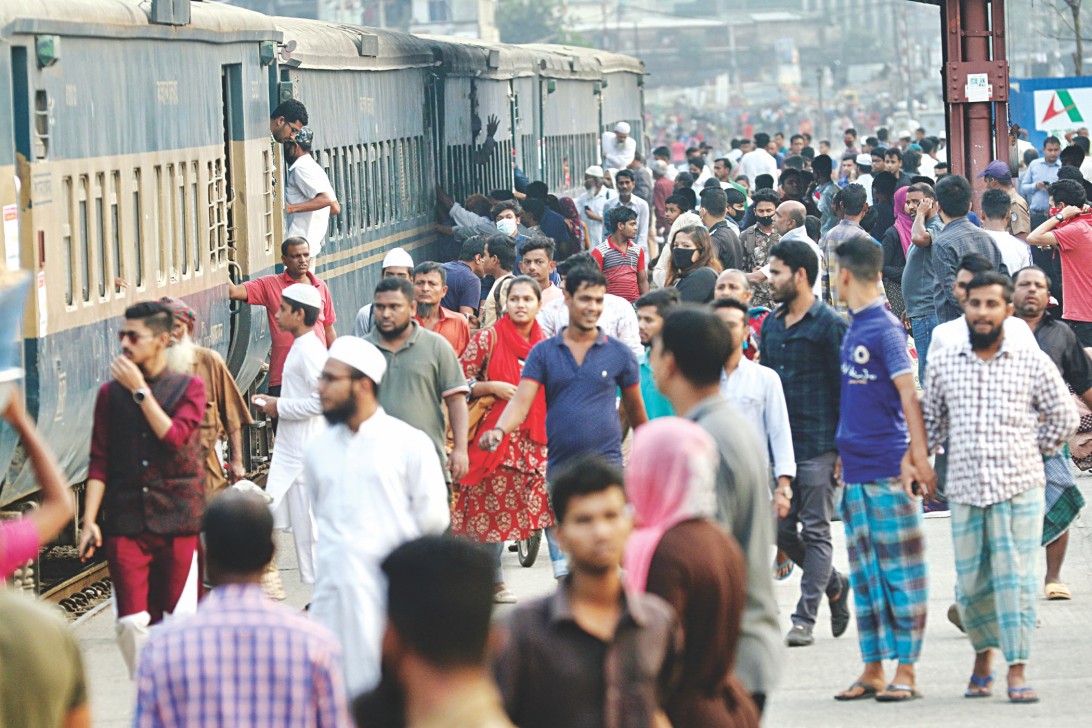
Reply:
x=477, y=409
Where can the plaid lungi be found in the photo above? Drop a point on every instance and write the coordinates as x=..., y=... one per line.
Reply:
x=997, y=572
x=887, y=569
x=1063, y=499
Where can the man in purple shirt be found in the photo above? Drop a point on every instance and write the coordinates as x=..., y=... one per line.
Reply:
x=241, y=660
x=464, y=278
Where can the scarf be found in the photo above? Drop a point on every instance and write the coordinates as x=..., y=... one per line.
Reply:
x=903, y=222
x=574, y=223
x=505, y=364
x=670, y=479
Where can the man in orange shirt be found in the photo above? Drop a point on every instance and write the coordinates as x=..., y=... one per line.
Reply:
x=430, y=285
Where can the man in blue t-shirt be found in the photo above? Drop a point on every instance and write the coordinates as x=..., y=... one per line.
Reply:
x=581, y=370
x=464, y=278
x=885, y=465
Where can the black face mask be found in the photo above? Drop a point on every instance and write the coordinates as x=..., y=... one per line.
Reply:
x=737, y=216
x=764, y=221
x=681, y=257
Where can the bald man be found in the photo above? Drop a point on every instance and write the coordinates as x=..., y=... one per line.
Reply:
x=788, y=221
x=733, y=283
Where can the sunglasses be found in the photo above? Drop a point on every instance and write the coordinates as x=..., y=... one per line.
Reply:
x=132, y=336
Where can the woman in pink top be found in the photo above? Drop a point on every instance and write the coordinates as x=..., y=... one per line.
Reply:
x=20, y=539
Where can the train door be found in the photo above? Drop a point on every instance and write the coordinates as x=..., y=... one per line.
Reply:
x=231, y=80
x=434, y=129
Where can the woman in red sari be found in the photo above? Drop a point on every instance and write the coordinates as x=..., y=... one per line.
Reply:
x=503, y=496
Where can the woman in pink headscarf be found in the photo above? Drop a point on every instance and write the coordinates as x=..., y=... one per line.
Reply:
x=678, y=553
x=896, y=241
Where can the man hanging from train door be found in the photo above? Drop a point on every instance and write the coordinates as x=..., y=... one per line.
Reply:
x=146, y=473
x=308, y=195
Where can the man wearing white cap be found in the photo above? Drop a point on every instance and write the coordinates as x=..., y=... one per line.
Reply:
x=619, y=148
x=591, y=203
x=864, y=174
x=376, y=483
x=299, y=411
x=396, y=264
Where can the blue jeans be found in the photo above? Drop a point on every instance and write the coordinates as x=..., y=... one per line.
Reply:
x=921, y=327
x=557, y=556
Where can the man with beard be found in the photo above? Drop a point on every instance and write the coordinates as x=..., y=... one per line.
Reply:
x=376, y=483
x=802, y=341
x=226, y=413
x=425, y=374
x=298, y=408
x=591, y=202
x=1063, y=499
x=581, y=369
x=995, y=475
x=430, y=286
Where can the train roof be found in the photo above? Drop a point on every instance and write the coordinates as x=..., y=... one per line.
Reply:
x=211, y=22
x=471, y=56
x=333, y=46
x=604, y=61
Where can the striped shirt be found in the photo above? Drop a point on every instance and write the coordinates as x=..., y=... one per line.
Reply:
x=620, y=268
x=241, y=661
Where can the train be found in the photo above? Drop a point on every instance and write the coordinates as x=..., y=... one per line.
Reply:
x=136, y=162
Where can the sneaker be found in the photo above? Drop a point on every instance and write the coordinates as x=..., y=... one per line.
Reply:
x=936, y=509
x=839, y=610
x=503, y=595
x=799, y=636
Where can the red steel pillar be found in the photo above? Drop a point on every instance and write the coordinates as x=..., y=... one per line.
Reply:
x=976, y=85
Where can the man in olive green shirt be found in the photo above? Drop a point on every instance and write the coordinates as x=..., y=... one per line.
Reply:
x=423, y=373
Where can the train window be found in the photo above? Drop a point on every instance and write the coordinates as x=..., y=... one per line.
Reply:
x=66, y=232
x=182, y=250
x=391, y=171
x=115, y=230
x=85, y=240
x=402, y=171
x=195, y=217
x=375, y=196
x=100, y=235
x=217, y=212
x=267, y=212
x=161, y=226
x=138, y=232
x=361, y=187
x=41, y=124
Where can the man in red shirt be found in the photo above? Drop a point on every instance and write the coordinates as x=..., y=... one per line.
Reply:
x=621, y=260
x=147, y=469
x=1070, y=229
x=266, y=291
x=430, y=285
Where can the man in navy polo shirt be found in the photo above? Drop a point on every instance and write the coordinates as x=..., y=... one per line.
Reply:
x=581, y=370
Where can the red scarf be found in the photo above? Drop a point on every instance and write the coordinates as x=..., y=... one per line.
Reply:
x=505, y=364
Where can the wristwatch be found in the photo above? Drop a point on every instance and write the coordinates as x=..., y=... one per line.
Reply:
x=1059, y=217
x=139, y=395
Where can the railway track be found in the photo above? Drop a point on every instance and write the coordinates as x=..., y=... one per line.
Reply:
x=82, y=591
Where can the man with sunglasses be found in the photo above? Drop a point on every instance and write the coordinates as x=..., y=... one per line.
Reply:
x=300, y=413
x=146, y=474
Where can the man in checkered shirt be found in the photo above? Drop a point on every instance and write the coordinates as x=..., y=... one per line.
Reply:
x=1001, y=407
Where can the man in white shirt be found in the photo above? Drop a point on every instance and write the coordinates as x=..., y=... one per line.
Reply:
x=300, y=414
x=957, y=332
x=758, y=160
x=619, y=148
x=996, y=212
x=591, y=202
x=864, y=174
x=618, y=320
x=308, y=195
x=376, y=484
x=788, y=222
x=624, y=182
x=755, y=392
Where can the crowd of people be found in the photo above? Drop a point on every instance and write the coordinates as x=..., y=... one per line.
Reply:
x=681, y=377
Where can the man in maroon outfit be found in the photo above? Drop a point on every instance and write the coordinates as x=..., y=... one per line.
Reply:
x=146, y=474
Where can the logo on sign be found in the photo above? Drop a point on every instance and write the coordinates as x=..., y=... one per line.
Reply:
x=1062, y=103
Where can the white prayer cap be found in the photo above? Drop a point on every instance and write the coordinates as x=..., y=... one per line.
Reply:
x=621, y=128
x=361, y=355
x=594, y=171
x=865, y=160
x=398, y=258
x=303, y=293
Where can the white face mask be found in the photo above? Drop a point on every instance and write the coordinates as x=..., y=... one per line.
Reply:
x=507, y=226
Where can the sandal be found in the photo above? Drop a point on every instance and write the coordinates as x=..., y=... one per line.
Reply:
x=983, y=687
x=1058, y=592
x=867, y=691
x=1025, y=694
x=783, y=569
x=887, y=697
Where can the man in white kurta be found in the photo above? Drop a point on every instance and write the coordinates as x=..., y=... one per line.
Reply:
x=375, y=483
x=300, y=412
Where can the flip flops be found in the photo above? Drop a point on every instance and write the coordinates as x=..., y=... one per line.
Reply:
x=1025, y=694
x=867, y=691
x=1058, y=592
x=783, y=569
x=982, y=687
x=886, y=696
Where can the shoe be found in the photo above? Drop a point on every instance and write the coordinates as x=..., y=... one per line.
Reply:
x=839, y=610
x=954, y=618
x=800, y=636
x=503, y=595
x=936, y=509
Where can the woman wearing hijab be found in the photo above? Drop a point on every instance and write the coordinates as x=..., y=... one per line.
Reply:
x=503, y=495
x=896, y=241
x=694, y=267
x=577, y=229
x=678, y=553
